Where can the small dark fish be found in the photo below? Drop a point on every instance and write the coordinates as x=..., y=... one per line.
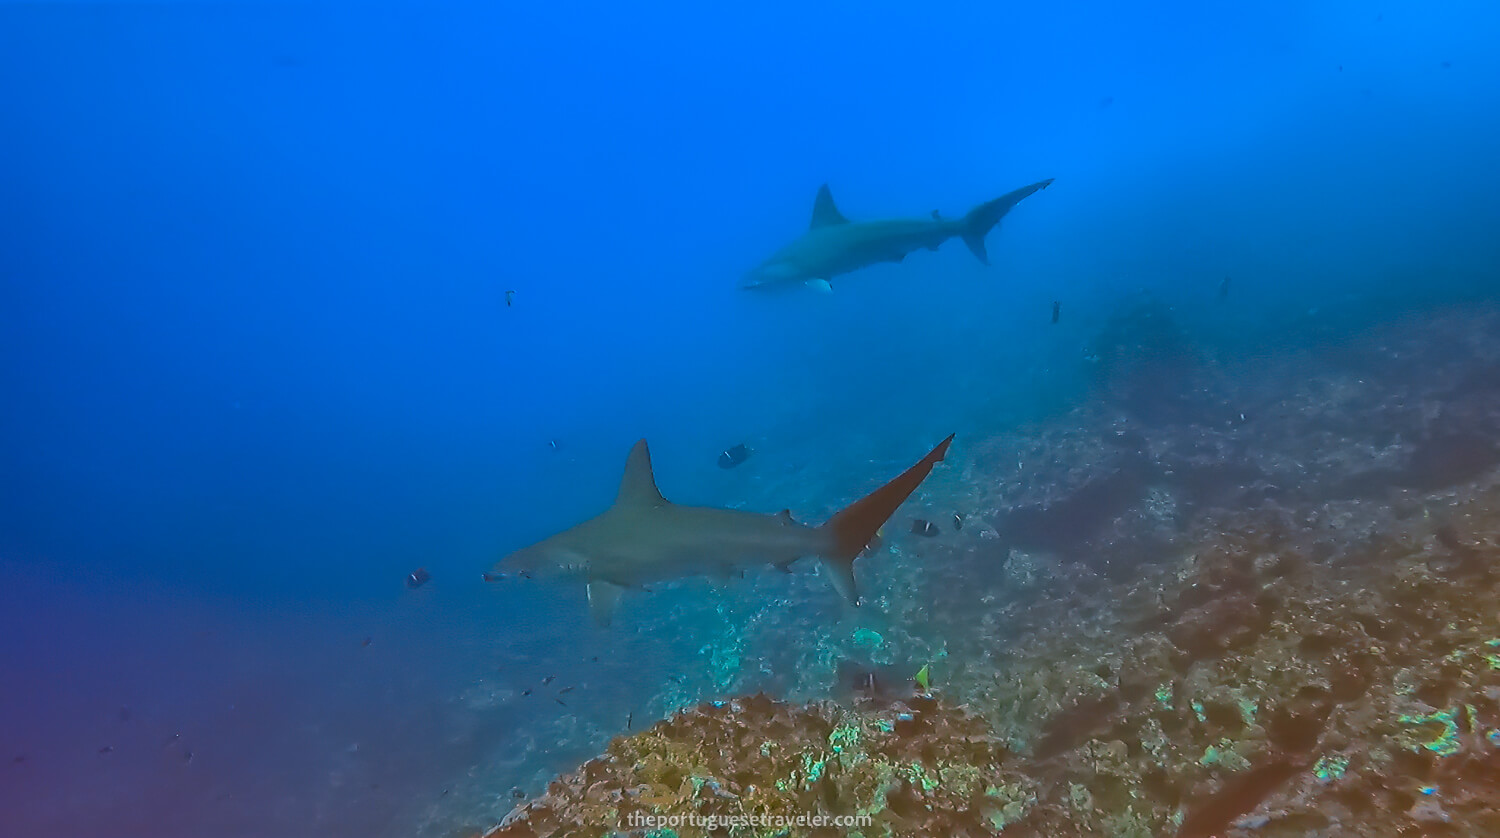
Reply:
x=958, y=521
x=510, y=297
x=106, y=749
x=560, y=701
x=628, y=718
x=19, y=758
x=1056, y=310
x=734, y=456
x=444, y=794
x=548, y=680
x=367, y=641
x=595, y=658
x=1447, y=65
x=921, y=527
x=1224, y=289
x=525, y=692
x=187, y=756
x=417, y=578
x=517, y=794
x=564, y=690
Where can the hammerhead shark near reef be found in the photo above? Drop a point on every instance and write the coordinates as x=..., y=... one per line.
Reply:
x=644, y=538
x=835, y=245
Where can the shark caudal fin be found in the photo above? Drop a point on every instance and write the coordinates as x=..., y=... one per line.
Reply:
x=855, y=525
x=983, y=218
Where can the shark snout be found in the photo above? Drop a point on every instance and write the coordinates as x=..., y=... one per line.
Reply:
x=769, y=274
x=502, y=576
x=752, y=280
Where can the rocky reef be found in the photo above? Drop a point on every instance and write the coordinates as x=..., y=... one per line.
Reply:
x=1229, y=598
x=1252, y=688
x=1247, y=690
x=913, y=767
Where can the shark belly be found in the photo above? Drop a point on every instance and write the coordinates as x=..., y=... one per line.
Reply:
x=840, y=250
x=676, y=542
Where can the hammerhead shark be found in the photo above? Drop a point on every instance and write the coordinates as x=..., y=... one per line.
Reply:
x=834, y=245
x=644, y=538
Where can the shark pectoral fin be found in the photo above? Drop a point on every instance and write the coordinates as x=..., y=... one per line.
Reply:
x=603, y=597
x=841, y=573
x=822, y=285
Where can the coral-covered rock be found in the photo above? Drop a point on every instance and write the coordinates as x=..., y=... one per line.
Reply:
x=1268, y=613
x=919, y=767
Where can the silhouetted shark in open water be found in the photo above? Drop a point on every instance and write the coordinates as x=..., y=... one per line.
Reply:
x=644, y=538
x=835, y=245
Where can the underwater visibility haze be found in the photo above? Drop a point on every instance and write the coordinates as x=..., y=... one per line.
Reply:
x=312, y=313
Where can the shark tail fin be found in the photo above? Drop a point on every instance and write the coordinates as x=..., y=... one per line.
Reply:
x=856, y=524
x=983, y=218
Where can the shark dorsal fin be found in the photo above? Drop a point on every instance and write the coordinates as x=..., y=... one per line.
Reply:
x=825, y=212
x=638, y=487
x=786, y=516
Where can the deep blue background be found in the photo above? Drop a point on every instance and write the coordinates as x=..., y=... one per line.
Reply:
x=256, y=363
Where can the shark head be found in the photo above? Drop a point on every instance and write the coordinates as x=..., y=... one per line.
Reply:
x=544, y=560
x=771, y=273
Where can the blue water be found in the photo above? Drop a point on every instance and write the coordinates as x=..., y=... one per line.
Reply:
x=257, y=364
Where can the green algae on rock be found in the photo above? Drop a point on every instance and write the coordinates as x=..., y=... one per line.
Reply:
x=920, y=767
